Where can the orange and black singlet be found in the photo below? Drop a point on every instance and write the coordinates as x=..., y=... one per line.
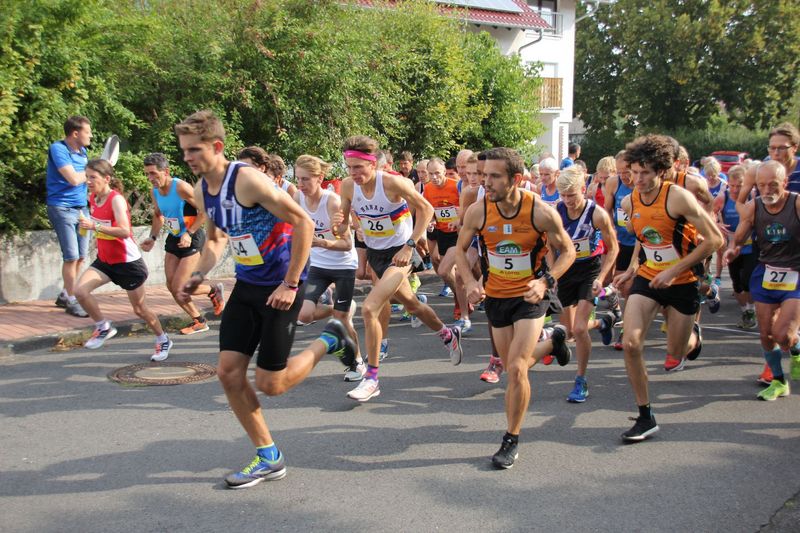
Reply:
x=664, y=239
x=444, y=200
x=513, y=248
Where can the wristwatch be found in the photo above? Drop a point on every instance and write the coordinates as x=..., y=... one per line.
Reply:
x=411, y=243
x=550, y=280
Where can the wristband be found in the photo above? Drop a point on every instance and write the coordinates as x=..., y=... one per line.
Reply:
x=290, y=287
x=153, y=238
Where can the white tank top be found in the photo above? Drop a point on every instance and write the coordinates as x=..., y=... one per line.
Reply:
x=481, y=193
x=285, y=185
x=385, y=224
x=322, y=257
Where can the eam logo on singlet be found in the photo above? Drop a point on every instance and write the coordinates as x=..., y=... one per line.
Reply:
x=508, y=248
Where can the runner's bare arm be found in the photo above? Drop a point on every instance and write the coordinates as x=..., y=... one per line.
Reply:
x=745, y=226
x=186, y=192
x=155, y=226
x=346, y=198
x=468, y=197
x=548, y=220
x=344, y=240
x=473, y=220
x=699, y=188
x=213, y=248
x=404, y=188
x=609, y=190
x=603, y=222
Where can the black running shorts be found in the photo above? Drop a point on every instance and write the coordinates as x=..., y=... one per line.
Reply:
x=198, y=241
x=503, y=312
x=380, y=260
x=129, y=276
x=684, y=298
x=248, y=323
x=320, y=279
x=576, y=283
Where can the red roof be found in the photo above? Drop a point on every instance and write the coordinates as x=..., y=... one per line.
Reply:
x=526, y=19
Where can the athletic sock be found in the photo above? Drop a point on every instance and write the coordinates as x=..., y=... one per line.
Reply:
x=773, y=358
x=645, y=412
x=445, y=334
x=511, y=437
x=72, y=300
x=372, y=373
x=160, y=339
x=269, y=452
x=750, y=307
x=63, y=293
x=331, y=341
x=102, y=325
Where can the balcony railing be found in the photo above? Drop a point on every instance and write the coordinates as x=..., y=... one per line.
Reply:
x=550, y=93
x=556, y=22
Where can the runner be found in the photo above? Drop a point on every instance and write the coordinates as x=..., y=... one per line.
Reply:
x=66, y=204
x=741, y=268
x=585, y=224
x=118, y=258
x=548, y=172
x=606, y=167
x=382, y=204
x=443, y=195
x=774, y=217
x=716, y=186
x=270, y=237
x=271, y=165
x=174, y=206
x=514, y=228
x=333, y=257
x=667, y=221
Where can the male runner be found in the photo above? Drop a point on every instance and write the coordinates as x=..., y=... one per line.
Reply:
x=270, y=237
x=382, y=203
x=333, y=257
x=775, y=217
x=515, y=228
x=667, y=221
x=174, y=206
x=586, y=224
x=443, y=195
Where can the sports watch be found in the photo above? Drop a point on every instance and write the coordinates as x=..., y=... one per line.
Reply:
x=411, y=243
x=550, y=280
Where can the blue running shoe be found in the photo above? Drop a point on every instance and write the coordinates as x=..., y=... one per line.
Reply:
x=396, y=308
x=445, y=292
x=607, y=328
x=384, y=352
x=580, y=392
x=257, y=471
x=713, y=298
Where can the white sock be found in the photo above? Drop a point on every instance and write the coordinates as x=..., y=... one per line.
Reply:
x=162, y=338
x=102, y=325
x=63, y=294
x=72, y=299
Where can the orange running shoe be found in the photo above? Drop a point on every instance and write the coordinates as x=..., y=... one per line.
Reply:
x=196, y=326
x=217, y=297
x=766, y=376
x=672, y=364
x=456, y=310
x=547, y=360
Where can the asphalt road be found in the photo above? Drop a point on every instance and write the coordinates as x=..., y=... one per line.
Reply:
x=80, y=453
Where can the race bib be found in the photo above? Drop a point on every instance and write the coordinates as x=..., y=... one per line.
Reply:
x=510, y=266
x=622, y=217
x=245, y=250
x=779, y=279
x=446, y=215
x=103, y=236
x=325, y=234
x=378, y=227
x=660, y=257
x=583, y=248
x=173, y=225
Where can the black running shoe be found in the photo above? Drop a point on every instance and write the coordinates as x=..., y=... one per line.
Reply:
x=691, y=356
x=345, y=349
x=642, y=429
x=561, y=351
x=505, y=456
x=607, y=328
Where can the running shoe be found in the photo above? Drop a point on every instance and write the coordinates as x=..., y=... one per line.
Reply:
x=75, y=309
x=368, y=388
x=766, y=376
x=618, y=342
x=673, y=364
x=454, y=345
x=415, y=283
x=355, y=372
x=607, y=328
x=162, y=351
x=257, y=471
x=506, y=455
x=561, y=351
x=695, y=352
x=717, y=281
x=416, y=322
x=748, y=320
x=580, y=392
x=464, y=324
x=217, y=297
x=99, y=336
x=384, y=351
x=196, y=326
x=428, y=264
x=396, y=308
x=664, y=327
x=547, y=360
x=712, y=299
x=794, y=367
x=493, y=371
x=345, y=348
x=481, y=307
x=405, y=317
x=456, y=310
x=445, y=292
x=775, y=390
x=616, y=312
x=642, y=429
x=326, y=298
x=61, y=300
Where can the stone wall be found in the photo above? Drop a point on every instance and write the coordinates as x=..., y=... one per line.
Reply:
x=30, y=265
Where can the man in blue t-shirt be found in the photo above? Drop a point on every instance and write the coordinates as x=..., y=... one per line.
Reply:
x=574, y=153
x=66, y=203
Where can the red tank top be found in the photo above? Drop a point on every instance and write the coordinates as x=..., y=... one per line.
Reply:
x=112, y=250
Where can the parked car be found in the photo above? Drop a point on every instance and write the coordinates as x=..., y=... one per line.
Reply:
x=729, y=158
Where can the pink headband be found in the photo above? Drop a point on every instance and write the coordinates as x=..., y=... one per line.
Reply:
x=360, y=155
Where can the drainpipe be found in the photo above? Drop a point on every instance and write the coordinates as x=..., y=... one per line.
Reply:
x=526, y=45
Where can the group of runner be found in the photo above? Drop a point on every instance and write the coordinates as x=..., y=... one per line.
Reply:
x=524, y=245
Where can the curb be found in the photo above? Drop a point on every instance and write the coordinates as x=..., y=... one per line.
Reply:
x=126, y=327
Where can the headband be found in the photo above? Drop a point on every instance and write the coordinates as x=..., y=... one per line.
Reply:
x=360, y=155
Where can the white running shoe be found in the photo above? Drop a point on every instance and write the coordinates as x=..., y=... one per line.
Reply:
x=368, y=388
x=355, y=372
x=416, y=322
x=162, y=351
x=454, y=345
x=99, y=337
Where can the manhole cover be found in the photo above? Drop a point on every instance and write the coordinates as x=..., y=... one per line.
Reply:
x=162, y=373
